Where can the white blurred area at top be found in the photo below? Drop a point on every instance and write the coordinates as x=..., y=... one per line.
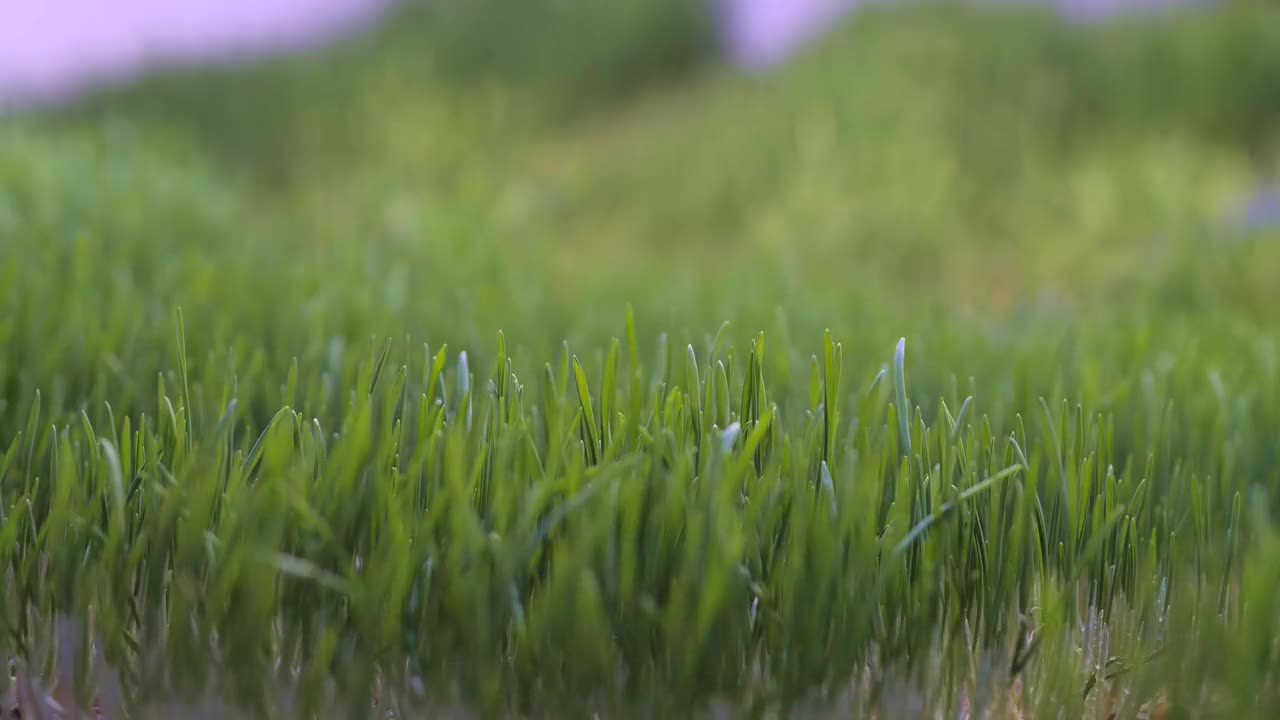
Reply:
x=763, y=33
x=53, y=49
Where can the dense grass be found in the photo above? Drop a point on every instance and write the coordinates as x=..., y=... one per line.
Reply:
x=263, y=444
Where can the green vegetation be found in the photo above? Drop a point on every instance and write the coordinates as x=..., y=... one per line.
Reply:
x=464, y=396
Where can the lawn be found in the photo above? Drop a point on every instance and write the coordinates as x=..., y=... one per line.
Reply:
x=935, y=374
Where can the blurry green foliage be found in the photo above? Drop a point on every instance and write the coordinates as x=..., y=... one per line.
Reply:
x=1001, y=189
x=599, y=49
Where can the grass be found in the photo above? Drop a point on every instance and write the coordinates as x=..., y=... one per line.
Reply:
x=263, y=448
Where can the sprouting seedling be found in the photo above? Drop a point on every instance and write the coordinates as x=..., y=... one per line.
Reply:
x=183, y=373
x=828, y=487
x=900, y=390
x=464, y=385
x=591, y=434
x=729, y=436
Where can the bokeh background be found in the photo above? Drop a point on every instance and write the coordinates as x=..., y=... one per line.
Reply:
x=455, y=166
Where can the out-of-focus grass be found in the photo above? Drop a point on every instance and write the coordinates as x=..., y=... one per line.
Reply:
x=448, y=70
x=987, y=185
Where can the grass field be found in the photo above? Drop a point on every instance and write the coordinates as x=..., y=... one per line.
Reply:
x=934, y=375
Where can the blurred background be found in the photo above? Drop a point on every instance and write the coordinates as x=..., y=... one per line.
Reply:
x=463, y=165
